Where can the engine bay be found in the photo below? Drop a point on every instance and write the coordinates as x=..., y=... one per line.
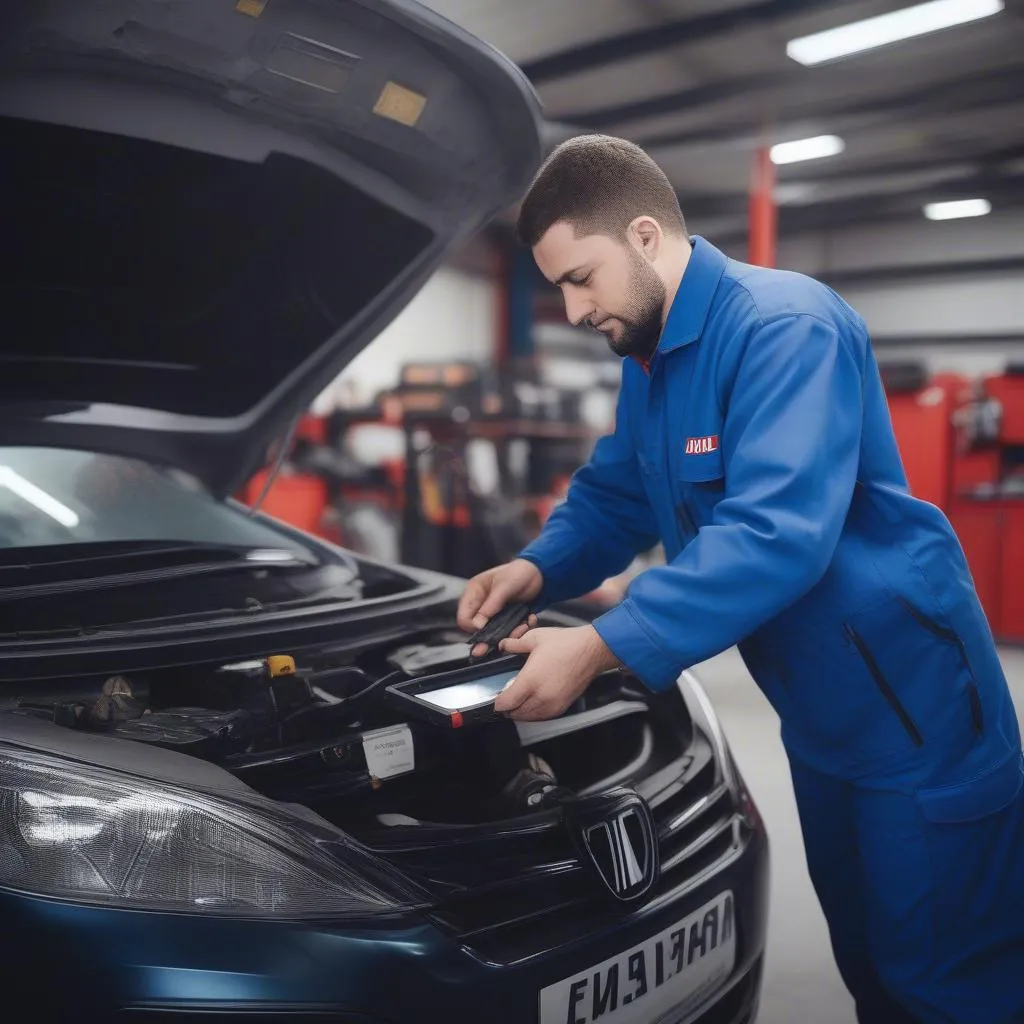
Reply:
x=311, y=728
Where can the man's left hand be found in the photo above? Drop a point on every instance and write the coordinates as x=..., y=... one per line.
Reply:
x=561, y=664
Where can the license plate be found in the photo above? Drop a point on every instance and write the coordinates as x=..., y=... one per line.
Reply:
x=658, y=981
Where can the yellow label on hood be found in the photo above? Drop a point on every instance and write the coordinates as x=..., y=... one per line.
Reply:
x=254, y=8
x=400, y=104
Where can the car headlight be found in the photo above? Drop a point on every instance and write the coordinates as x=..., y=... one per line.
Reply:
x=84, y=834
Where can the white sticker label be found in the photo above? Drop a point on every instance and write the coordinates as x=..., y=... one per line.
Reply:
x=389, y=751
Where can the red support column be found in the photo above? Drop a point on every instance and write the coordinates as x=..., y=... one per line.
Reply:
x=763, y=212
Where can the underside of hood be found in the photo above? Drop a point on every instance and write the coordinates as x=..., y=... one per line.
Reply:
x=212, y=206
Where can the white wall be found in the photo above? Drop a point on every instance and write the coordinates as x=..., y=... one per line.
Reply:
x=454, y=316
x=906, y=243
x=982, y=305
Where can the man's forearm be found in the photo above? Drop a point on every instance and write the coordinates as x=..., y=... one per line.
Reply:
x=605, y=521
x=572, y=562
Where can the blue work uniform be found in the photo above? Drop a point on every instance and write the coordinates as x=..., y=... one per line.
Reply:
x=757, y=447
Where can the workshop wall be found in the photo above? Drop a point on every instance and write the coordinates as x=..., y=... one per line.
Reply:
x=955, y=281
x=981, y=305
x=455, y=316
x=905, y=243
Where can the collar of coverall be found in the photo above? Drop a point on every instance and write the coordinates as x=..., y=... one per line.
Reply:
x=690, y=307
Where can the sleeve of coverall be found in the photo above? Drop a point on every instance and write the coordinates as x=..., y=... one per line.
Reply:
x=791, y=443
x=605, y=521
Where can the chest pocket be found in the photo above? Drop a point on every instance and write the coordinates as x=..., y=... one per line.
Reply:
x=700, y=483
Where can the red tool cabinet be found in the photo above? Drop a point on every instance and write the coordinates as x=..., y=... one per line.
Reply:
x=922, y=420
x=988, y=509
x=300, y=500
x=1010, y=624
x=968, y=481
x=980, y=527
x=991, y=533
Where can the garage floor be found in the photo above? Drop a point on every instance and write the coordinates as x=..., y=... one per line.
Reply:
x=801, y=980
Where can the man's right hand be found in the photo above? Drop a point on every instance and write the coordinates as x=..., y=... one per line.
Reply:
x=488, y=593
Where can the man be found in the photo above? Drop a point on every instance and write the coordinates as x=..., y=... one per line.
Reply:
x=753, y=440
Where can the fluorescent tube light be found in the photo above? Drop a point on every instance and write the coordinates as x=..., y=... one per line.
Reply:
x=807, y=149
x=46, y=503
x=957, y=209
x=889, y=28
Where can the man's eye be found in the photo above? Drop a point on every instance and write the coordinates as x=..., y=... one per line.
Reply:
x=583, y=281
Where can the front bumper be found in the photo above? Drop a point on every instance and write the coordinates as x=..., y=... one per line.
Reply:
x=130, y=966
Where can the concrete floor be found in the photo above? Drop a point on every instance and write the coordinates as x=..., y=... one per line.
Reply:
x=801, y=980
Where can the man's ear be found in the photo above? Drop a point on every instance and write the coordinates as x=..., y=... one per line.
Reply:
x=646, y=237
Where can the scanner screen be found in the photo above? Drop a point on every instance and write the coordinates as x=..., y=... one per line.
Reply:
x=468, y=695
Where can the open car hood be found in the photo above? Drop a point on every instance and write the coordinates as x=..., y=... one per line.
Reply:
x=213, y=205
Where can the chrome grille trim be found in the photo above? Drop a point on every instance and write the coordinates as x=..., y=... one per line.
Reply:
x=698, y=879
x=704, y=839
x=695, y=810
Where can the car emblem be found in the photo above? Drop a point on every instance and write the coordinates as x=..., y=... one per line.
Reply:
x=617, y=841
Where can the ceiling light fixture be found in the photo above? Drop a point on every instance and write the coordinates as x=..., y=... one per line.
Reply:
x=958, y=208
x=872, y=33
x=807, y=149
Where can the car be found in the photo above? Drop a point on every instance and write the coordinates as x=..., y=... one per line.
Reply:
x=238, y=777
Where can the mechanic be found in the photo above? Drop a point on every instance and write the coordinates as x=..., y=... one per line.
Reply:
x=752, y=438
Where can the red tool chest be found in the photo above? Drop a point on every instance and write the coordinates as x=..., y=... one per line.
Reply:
x=956, y=457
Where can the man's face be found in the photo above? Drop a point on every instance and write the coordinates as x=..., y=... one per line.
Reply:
x=606, y=284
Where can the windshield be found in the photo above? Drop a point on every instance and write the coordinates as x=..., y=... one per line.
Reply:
x=49, y=496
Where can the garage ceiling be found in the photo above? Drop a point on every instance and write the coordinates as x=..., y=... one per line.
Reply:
x=701, y=83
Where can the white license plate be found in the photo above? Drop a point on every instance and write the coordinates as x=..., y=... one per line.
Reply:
x=658, y=981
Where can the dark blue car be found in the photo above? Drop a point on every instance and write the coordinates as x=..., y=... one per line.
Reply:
x=245, y=775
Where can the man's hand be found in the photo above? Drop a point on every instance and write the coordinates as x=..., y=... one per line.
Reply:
x=562, y=663
x=488, y=593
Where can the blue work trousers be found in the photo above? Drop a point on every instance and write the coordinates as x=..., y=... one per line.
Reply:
x=923, y=892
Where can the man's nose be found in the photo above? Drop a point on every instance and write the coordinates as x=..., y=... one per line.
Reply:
x=577, y=309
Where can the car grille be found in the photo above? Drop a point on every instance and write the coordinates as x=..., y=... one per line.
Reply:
x=536, y=896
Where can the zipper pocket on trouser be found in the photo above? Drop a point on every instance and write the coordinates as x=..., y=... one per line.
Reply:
x=883, y=685
x=951, y=636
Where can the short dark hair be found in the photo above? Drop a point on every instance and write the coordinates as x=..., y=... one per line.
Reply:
x=599, y=185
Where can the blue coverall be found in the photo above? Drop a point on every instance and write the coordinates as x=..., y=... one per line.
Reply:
x=758, y=448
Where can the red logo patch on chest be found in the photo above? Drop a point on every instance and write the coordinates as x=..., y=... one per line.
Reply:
x=701, y=445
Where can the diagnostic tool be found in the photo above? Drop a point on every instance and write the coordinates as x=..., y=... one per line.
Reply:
x=501, y=626
x=458, y=698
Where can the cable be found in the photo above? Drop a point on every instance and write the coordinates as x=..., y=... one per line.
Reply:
x=345, y=703
x=385, y=681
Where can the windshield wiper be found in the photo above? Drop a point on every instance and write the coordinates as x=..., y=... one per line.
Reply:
x=151, y=551
x=108, y=581
x=93, y=572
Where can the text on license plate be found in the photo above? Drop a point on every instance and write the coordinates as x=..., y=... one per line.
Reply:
x=675, y=970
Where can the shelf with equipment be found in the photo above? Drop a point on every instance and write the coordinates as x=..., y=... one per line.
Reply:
x=535, y=440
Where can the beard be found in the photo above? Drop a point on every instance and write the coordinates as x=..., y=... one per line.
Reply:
x=641, y=319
